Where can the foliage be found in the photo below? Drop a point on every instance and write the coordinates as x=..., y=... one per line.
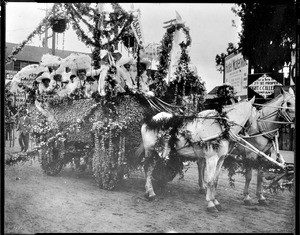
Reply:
x=220, y=58
x=268, y=33
x=78, y=14
x=185, y=82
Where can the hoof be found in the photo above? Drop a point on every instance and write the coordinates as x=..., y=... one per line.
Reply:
x=212, y=209
x=219, y=207
x=202, y=191
x=248, y=203
x=262, y=202
x=150, y=198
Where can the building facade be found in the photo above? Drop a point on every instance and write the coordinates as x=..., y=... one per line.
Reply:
x=29, y=55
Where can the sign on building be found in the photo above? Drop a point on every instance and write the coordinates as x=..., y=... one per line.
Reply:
x=236, y=73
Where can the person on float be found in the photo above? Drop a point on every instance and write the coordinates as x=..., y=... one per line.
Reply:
x=91, y=85
x=73, y=83
x=81, y=74
x=144, y=79
x=108, y=67
x=65, y=88
x=44, y=83
x=124, y=64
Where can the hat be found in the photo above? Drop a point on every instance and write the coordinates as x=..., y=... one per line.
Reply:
x=44, y=75
x=77, y=61
x=49, y=60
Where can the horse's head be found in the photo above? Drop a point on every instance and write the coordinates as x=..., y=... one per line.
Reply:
x=288, y=105
x=239, y=114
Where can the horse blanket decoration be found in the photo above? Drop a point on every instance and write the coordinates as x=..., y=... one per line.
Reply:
x=202, y=136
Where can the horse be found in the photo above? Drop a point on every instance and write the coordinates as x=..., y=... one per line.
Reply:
x=263, y=127
x=201, y=136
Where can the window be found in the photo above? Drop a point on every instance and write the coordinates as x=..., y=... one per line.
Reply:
x=17, y=65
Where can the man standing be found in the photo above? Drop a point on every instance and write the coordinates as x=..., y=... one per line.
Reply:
x=24, y=127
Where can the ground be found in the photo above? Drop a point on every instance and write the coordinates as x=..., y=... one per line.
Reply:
x=71, y=202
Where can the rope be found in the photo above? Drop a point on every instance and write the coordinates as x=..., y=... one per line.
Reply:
x=260, y=134
x=278, y=122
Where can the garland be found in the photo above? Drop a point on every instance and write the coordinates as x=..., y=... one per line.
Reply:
x=79, y=32
x=75, y=12
x=109, y=145
x=123, y=19
x=186, y=83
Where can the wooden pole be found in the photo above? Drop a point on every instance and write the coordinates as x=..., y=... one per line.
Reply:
x=53, y=42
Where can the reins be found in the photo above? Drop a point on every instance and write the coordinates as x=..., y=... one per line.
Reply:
x=271, y=106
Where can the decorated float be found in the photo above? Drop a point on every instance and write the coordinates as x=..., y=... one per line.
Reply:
x=102, y=131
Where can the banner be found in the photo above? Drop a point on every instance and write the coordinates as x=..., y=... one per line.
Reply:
x=136, y=26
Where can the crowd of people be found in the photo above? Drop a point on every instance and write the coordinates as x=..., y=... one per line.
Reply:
x=63, y=79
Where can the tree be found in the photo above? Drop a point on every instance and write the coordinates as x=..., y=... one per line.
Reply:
x=220, y=59
x=268, y=34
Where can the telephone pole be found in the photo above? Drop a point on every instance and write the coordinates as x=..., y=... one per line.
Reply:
x=45, y=40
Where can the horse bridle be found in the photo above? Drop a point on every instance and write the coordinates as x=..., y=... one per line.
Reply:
x=281, y=112
x=285, y=114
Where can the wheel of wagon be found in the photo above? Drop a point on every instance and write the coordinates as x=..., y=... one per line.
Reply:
x=51, y=163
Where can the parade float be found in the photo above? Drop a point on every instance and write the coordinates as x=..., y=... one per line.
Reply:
x=102, y=132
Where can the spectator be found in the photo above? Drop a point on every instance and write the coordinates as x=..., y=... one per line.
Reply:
x=23, y=126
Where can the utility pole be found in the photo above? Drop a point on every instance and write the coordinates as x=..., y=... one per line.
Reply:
x=46, y=34
x=53, y=42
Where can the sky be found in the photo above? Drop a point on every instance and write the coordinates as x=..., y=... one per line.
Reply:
x=210, y=24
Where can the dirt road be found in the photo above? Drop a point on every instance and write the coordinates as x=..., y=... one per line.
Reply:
x=71, y=202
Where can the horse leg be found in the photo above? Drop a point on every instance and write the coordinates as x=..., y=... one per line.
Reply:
x=209, y=172
x=216, y=178
x=149, y=167
x=201, y=167
x=248, y=177
x=259, y=191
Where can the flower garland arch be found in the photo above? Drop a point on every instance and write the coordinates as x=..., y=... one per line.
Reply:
x=185, y=82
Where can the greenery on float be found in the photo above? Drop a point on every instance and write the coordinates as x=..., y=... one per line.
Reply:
x=185, y=83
